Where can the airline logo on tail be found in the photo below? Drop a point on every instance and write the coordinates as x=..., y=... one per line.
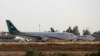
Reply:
x=12, y=29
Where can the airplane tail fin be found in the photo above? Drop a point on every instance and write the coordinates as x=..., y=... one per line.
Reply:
x=52, y=30
x=12, y=29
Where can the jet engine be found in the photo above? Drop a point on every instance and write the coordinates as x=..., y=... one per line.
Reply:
x=45, y=39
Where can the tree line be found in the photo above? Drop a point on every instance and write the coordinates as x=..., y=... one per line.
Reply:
x=75, y=30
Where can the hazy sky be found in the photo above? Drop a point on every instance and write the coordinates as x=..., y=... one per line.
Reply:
x=28, y=14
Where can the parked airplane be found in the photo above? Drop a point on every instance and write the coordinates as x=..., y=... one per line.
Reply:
x=86, y=38
x=83, y=37
x=40, y=35
x=18, y=38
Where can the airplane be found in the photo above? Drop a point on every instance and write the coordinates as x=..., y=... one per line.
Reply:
x=83, y=37
x=40, y=35
x=86, y=38
x=17, y=38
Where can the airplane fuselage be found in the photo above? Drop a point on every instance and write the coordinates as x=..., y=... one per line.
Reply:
x=63, y=36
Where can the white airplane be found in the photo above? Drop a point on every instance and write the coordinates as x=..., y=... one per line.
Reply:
x=83, y=37
x=86, y=38
x=40, y=35
x=17, y=38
